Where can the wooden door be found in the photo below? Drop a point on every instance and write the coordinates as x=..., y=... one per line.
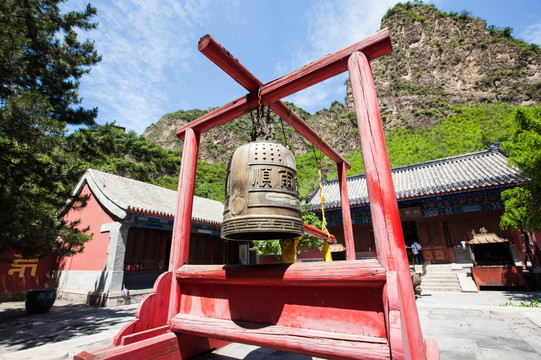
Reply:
x=432, y=240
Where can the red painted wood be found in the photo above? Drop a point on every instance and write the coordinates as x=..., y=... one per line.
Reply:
x=152, y=311
x=354, y=310
x=510, y=276
x=180, y=245
x=161, y=347
x=229, y=64
x=303, y=341
x=346, y=212
x=219, y=116
x=361, y=273
x=142, y=335
x=180, y=242
x=283, y=111
x=344, y=298
x=221, y=57
x=309, y=229
x=331, y=65
x=383, y=206
x=374, y=46
x=393, y=316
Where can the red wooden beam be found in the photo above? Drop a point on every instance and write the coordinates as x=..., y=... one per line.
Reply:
x=286, y=338
x=283, y=111
x=373, y=46
x=369, y=273
x=391, y=250
x=180, y=241
x=309, y=229
x=329, y=66
x=230, y=65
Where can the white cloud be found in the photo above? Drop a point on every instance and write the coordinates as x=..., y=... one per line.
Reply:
x=532, y=34
x=333, y=25
x=144, y=45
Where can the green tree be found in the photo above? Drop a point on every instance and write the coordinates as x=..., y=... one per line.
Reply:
x=523, y=203
x=41, y=62
x=271, y=247
x=109, y=148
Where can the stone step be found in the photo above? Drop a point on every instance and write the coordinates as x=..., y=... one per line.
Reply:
x=449, y=277
x=441, y=275
x=440, y=280
x=426, y=289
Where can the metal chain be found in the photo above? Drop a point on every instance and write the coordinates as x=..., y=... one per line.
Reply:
x=259, y=108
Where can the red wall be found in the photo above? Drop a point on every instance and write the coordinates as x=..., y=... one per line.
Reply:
x=94, y=255
x=25, y=274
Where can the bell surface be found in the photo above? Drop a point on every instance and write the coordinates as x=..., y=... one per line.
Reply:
x=262, y=194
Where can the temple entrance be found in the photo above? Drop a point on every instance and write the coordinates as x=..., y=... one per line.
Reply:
x=410, y=235
x=432, y=241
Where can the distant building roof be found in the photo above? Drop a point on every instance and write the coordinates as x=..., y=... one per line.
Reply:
x=479, y=170
x=121, y=195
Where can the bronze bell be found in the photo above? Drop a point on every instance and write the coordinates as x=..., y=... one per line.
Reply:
x=262, y=194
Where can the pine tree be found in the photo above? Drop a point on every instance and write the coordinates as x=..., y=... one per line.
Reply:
x=41, y=62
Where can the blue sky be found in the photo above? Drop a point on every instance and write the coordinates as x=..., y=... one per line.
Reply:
x=151, y=65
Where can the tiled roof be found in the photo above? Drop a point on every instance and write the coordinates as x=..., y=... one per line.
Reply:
x=483, y=169
x=128, y=195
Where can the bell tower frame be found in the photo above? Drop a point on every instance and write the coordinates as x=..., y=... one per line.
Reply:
x=353, y=309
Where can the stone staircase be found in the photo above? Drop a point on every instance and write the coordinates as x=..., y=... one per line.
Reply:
x=446, y=277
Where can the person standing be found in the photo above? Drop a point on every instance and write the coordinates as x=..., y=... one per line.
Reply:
x=416, y=250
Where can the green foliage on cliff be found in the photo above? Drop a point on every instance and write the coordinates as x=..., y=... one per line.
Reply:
x=110, y=149
x=468, y=130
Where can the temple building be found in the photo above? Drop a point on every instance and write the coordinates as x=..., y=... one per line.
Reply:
x=132, y=222
x=440, y=203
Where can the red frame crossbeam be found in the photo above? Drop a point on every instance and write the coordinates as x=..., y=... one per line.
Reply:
x=331, y=65
x=230, y=65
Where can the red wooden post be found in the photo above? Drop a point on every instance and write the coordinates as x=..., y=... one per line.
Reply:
x=180, y=241
x=383, y=206
x=346, y=212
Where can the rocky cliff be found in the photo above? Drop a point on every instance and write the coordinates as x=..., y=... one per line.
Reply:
x=439, y=60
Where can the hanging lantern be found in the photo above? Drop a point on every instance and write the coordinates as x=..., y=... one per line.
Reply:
x=261, y=194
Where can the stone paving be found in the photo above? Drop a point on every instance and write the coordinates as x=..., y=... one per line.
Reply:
x=465, y=325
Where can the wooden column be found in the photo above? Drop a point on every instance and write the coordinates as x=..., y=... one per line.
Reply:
x=346, y=212
x=388, y=235
x=180, y=241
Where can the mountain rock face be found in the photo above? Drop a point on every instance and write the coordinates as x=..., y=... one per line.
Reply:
x=439, y=60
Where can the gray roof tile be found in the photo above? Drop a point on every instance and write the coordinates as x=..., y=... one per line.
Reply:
x=472, y=171
x=136, y=196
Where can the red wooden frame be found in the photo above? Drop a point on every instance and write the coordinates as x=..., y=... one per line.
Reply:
x=338, y=310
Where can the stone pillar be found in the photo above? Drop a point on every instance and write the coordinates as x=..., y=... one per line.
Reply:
x=116, y=251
